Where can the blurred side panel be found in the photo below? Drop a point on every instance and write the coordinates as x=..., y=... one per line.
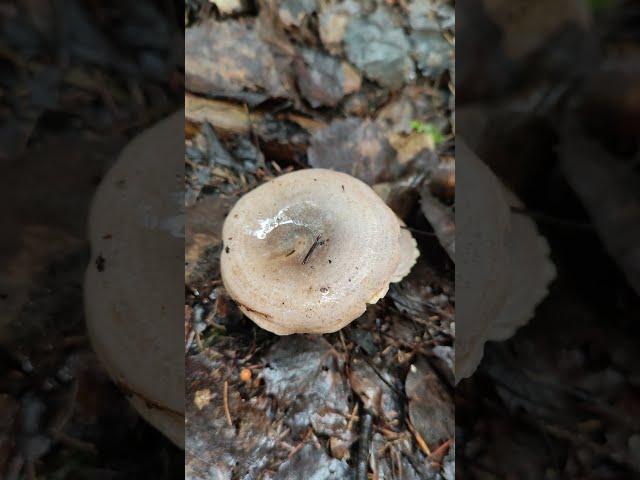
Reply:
x=548, y=233
x=90, y=179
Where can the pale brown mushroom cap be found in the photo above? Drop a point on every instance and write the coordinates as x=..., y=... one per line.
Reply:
x=272, y=230
x=503, y=268
x=409, y=254
x=482, y=219
x=134, y=317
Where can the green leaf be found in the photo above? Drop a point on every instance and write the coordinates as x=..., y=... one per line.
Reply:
x=428, y=129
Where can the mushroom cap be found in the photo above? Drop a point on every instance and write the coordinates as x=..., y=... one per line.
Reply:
x=134, y=316
x=482, y=217
x=529, y=275
x=305, y=252
x=409, y=254
x=502, y=268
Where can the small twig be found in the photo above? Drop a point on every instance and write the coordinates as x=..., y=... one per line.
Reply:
x=225, y=398
x=439, y=453
x=313, y=247
x=419, y=440
x=363, y=447
x=352, y=417
x=295, y=450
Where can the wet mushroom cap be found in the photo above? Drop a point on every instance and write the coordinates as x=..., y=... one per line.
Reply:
x=306, y=252
x=133, y=314
x=503, y=269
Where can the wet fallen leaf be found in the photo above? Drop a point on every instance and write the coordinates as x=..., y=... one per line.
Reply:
x=305, y=373
x=228, y=57
x=432, y=52
x=374, y=387
x=293, y=13
x=430, y=405
x=333, y=20
x=212, y=446
x=312, y=462
x=325, y=80
x=202, y=241
x=380, y=49
x=354, y=146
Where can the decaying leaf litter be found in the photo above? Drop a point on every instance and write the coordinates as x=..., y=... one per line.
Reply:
x=560, y=399
x=78, y=80
x=364, y=88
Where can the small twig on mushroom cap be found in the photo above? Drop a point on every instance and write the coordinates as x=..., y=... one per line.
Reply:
x=313, y=247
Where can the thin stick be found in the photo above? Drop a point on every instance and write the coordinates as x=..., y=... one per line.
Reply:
x=419, y=440
x=225, y=398
x=363, y=448
x=439, y=453
x=313, y=247
x=352, y=417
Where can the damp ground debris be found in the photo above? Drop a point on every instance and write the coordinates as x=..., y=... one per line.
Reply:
x=337, y=85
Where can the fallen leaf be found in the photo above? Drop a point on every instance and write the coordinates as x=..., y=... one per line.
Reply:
x=354, y=146
x=305, y=373
x=380, y=49
x=431, y=407
x=229, y=57
x=325, y=80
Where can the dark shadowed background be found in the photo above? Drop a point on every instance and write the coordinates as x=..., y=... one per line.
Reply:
x=78, y=80
x=548, y=98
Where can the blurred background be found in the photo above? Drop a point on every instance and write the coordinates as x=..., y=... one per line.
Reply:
x=78, y=80
x=548, y=96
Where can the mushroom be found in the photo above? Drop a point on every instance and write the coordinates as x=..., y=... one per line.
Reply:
x=307, y=251
x=503, y=269
x=133, y=314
